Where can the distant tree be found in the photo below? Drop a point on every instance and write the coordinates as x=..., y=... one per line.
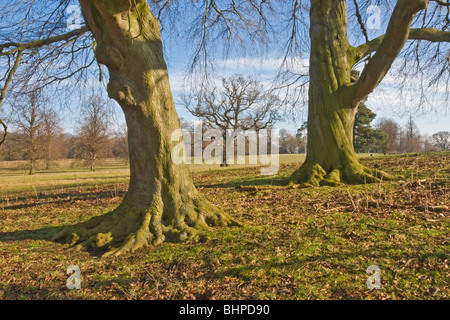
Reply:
x=289, y=143
x=240, y=104
x=428, y=144
x=412, y=142
x=120, y=144
x=411, y=128
x=188, y=129
x=28, y=119
x=92, y=139
x=12, y=148
x=51, y=129
x=392, y=130
x=365, y=137
x=302, y=137
x=442, y=140
x=62, y=146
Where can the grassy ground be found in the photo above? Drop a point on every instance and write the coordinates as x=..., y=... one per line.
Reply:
x=294, y=244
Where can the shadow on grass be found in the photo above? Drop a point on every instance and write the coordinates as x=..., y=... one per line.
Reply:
x=38, y=234
x=273, y=181
x=59, y=198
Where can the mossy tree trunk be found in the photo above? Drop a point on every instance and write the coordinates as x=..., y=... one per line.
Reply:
x=162, y=203
x=334, y=95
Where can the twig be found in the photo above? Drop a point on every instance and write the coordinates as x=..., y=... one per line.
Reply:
x=401, y=206
x=382, y=228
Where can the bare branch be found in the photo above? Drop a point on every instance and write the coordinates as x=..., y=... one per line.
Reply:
x=427, y=34
x=5, y=89
x=42, y=42
x=396, y=36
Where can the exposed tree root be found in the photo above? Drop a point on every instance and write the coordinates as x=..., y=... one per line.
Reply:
x=313, y=174
x=133, y=226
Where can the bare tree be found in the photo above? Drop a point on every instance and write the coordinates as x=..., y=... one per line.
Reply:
x=124, y=36
x=391, y=144
x=415, y=28
x=412, y=137
x=28, y=118
x=93, y=132
x=428, y=144
x=120, y=143
x=239, y=104
x=51, y=128
x=37, y=49
x=289, y=143
x=442, y=140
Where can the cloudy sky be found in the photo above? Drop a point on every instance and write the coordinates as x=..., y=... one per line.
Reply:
x=387, y=101
x=431, y=115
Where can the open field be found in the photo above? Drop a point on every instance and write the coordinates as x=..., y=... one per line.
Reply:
x=294, y=243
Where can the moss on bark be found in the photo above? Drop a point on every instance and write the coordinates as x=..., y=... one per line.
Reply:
x=331, y=159
x=134, y=225
x=162, y=203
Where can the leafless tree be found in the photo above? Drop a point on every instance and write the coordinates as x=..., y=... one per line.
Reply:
x=442, y=140
x=428, y=144
x=413, y=49
x=92, y=134
x=51, y=128
x=35, y=46
x=238, y=105
x=391, y=129
x=289, y=143
x=28, y=118
x=37, y=49
x=412, y=136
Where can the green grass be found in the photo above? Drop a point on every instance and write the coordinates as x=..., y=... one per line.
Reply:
x=294, y=244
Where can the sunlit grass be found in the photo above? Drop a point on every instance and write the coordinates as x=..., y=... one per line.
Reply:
x=14, y=177
x=293, y=244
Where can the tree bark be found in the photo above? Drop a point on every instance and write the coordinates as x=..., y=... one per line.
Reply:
x=224, y=151
x=32, y=170
x=162, y=203
x=331, y=158
x=93, y=158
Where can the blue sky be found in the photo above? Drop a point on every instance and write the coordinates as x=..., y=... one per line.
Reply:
x=385, y=101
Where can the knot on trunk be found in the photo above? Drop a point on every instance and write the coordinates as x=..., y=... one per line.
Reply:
x=121, y=93
x=109, y=56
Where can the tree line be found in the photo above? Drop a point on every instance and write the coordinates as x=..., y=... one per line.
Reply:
x=385, y=136
x=38, y=137
x=238, y=103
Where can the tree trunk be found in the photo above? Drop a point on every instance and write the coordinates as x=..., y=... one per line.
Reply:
x=224, y=152
x=32, y=170
x=331, y=158
x=162, y=203
x=93, y=158
x=48, y=155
